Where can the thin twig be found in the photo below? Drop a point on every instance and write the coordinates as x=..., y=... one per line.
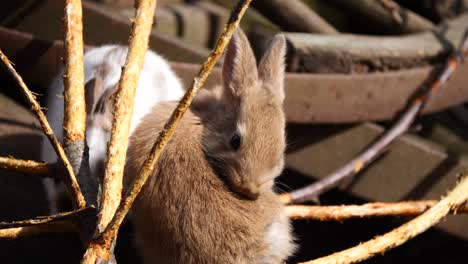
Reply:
x=102, y=244
x=60, y=227
x=312, y=191
x=345, y=212
x=123, y=108
x=398, y=236
x=25, y=166
x=73, y=215
x=69, y=177
x=74, y=121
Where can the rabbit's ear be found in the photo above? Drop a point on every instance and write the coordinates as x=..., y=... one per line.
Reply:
x=240, y=67
x=93, y=90
x=271, y=68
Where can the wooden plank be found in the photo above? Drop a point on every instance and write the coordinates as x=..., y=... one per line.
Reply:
x=412, y=169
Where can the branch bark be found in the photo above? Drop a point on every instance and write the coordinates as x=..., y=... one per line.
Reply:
x=123, y=109
x=26, y=166
x=69, y=177
x=346, y=212
x=293, y=16
x=457, y=197
x=74, y=122
x=41, y=220
x=312, y=191
x=99, y=248
x=28, y=231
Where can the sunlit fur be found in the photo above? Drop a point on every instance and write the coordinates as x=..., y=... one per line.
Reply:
x=205, y=202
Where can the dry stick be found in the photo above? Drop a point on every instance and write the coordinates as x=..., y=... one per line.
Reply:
x=74, y=121
x=60, y=227
x=123, y=101
x=398, y=236
x=293, y=16
x=101, y=245
x=312, y=191
x=69, y=177
x=345, y=212
x=73, y=215
x=25, y=166
x=123, y=108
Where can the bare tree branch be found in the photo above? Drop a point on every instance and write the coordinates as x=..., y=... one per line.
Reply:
x=34, y=230
x=345, y=212
x=73, y=215
x=99, y=247
x=457, y=197
x=25, y=166
x=74, y=122
x=69, y=177
x=312, y=191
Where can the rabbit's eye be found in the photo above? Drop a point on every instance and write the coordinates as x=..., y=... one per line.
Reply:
x=235, y=142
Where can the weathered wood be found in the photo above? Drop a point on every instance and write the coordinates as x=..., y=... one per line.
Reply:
x=293, y=16
x=378, y=16
x=187, y=22
x=311, y=98
x=412, y=169
x=348, y=53
x=201, y=22
x=101, y=25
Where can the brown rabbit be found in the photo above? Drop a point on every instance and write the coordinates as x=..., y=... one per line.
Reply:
x=210, y=198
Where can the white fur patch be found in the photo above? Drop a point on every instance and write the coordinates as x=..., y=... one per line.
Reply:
x=279, y=238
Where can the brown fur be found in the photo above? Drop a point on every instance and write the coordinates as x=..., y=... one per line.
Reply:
x=204, y=202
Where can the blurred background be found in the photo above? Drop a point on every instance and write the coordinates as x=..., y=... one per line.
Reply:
x=353, y=66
